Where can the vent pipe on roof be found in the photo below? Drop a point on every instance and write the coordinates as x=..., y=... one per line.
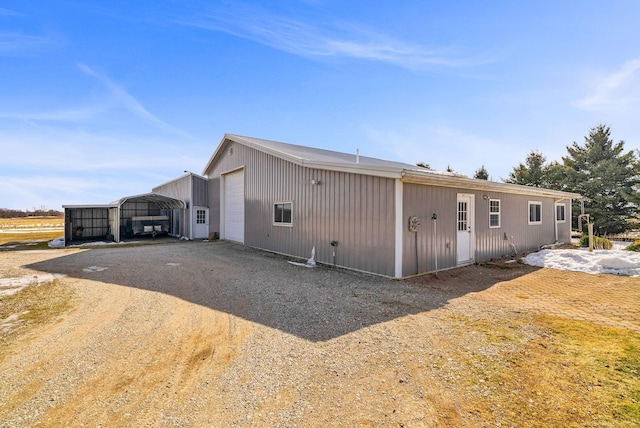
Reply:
x=357, y=155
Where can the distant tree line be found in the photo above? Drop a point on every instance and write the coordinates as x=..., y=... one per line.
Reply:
x=37, y=212
x=607, y=176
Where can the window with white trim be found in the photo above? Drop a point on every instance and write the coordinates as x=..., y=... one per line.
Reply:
x=535, y=212
x=494, y=213
x=282, y=213
x=561, y=213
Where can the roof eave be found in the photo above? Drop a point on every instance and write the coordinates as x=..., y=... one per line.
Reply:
x=476, y=184
x=377, y=171
x=249, y=143
x=187, y=174
x=90, y=206
x=332, y=166
x=215, y=155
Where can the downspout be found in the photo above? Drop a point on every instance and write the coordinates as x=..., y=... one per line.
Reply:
x=589, y=224
x=190, y=206
x=434, y=217
x=399, y=227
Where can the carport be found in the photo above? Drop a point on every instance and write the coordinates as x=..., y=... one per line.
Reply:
x=146, y=214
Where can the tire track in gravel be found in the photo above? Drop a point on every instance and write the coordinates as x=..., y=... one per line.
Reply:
x=125, y=356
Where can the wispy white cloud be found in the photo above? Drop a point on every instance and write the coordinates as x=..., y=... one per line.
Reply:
x=323, y=40
x=9, y=12
x=64, y=149
x=55, y=116
x=12, y=42
x=50, y=166
x=54, y=191
x=128, y=101
x=617, y=89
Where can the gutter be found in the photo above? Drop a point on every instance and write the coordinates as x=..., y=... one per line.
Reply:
x=436, y=179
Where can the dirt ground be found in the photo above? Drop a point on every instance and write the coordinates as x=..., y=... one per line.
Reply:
x=216, y=334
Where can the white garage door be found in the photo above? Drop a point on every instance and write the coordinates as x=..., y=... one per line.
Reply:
x=234, y=206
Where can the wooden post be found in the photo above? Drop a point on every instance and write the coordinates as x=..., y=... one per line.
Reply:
x=590, y=227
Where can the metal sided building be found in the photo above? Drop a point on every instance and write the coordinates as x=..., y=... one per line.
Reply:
x=146, y=214
x=367, y=214
x=193, y=220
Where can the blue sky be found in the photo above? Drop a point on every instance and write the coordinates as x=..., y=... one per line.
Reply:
x=100, y=100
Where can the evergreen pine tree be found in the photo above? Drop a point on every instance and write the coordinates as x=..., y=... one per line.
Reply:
x=606, y=177
x=531, y=173
x=481, y=173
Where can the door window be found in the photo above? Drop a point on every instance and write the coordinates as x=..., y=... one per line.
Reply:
x=201, y=216
x=462, y=215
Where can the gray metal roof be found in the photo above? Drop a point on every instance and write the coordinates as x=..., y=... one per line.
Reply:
x=314, y=158
x=346, y=162
x=162, y=201
x=312, y=154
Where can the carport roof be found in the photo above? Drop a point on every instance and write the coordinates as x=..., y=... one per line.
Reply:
x=75, y=207
x=165, y=202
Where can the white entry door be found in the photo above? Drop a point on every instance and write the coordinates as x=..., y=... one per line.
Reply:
x=201, y=223
x=465, y=229
x=233, y=209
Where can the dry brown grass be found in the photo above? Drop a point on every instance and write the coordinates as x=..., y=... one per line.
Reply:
x=35, y=304
x=577, y=374
x=30, y=229
x=31, y=222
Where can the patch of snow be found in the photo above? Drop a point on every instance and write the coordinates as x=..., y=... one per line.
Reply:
x=617, y=262
x=9, y=286
x=57, y=243
x=96, y=243
x=620, y=245
x=94, y=269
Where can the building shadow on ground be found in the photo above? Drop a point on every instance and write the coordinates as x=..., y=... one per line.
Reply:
x=316, y=304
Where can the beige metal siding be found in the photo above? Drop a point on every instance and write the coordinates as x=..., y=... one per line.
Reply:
x=432, y=237
x=355, y=210
x=200, y=195
x=514, y=233
x=178, y=189
x=191, y=189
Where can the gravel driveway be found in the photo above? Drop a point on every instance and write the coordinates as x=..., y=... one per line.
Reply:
x=217, y=334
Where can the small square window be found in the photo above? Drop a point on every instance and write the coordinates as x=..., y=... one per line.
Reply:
x=282, y=213
x=560, y=213
x=494, y=213
x=535, y=212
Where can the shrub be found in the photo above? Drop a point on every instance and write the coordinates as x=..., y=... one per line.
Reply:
x=635, y=246
x=598, y=243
